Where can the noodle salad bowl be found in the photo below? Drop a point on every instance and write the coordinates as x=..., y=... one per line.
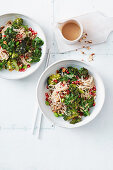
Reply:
x=22, y=46
x=70, y=100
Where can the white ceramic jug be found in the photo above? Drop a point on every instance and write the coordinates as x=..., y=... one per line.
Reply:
x=61, y=25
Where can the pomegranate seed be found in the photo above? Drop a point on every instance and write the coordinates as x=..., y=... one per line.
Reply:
x=77, y=77
x=4, y=36
x=68, y=91
x=94, y=88
x=30, y=29
x=93, y=104
x=90, y=93
x=73, y=82
x=28, y=66
x=62, y=97
x=20, y=41
x=63, y=84
x=76, y=82
x=21, y=56
x=81, y=114
x=69, y=80
x=55, y=81
x=46, y=99
x=67, y=71
x=0, y=46
x=79, y=96
x=57, y=71
x=20, y=70
x=46, y=94
x=47, y=87
x=23, y=69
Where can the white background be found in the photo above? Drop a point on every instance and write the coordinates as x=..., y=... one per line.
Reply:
x=86, y=148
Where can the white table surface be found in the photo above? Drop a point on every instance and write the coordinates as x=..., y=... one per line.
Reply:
x=86, y=148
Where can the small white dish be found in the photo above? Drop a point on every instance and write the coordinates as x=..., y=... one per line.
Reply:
x=6, y=74
x=41, y=89
x=61, y=25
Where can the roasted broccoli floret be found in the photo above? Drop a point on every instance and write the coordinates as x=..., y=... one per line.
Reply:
x=50, y=80
x=36, y=55
x=84, y=72
x=14, y=55
x=15, y=65
x=17, y=23
x=73, y=70
x=75, y=120
x=37, y=42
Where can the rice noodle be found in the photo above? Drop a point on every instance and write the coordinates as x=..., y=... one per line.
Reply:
x=56, y=91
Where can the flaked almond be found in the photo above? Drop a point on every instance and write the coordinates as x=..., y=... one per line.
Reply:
x=80, y=40
x=90, y=58
x=90, y=41
x=82, y=52
x=88, y=48
x=84, y=37
x=64, y=69
x=4, y=42
x=92, y=54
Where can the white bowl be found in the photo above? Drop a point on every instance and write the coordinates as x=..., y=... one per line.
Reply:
x=41, y=89
x=31, y=23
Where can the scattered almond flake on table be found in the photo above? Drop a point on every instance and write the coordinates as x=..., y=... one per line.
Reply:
x=83, y=39
x=82, y=52
x=91, y=57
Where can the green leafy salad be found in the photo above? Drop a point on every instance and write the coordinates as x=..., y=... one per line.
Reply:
x=71, y=92
x=19, y=46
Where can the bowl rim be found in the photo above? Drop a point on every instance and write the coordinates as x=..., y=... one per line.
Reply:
x=44, y=51
x=76, y=125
